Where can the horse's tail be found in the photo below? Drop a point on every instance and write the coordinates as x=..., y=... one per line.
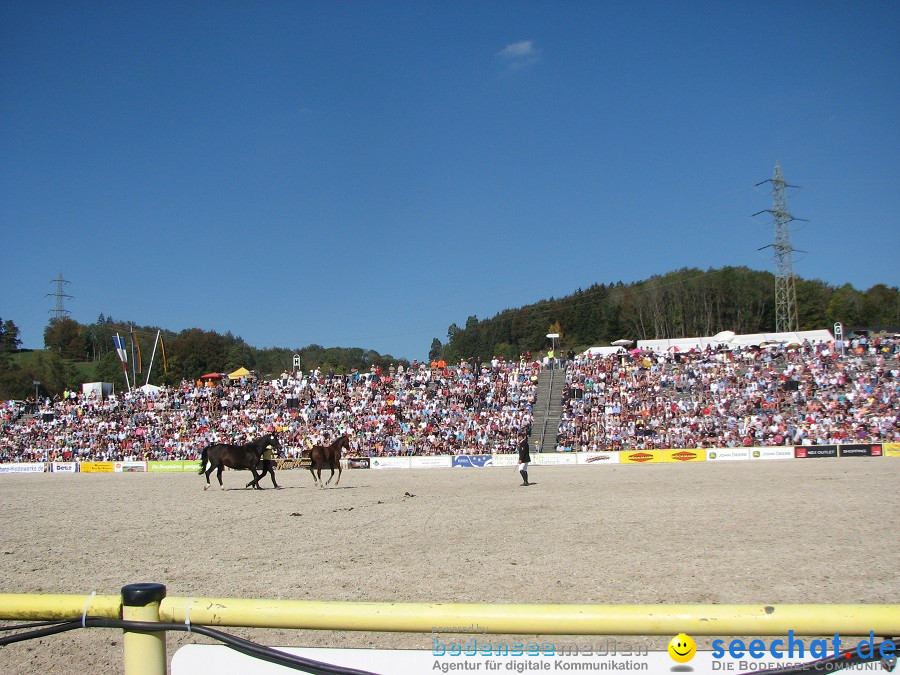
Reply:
x=204, y=456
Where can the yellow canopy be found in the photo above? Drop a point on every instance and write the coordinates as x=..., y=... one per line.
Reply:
x=239, y=373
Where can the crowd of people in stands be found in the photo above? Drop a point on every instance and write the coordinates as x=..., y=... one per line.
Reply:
x=795, y=394
x=421, y=410
x=750, y=396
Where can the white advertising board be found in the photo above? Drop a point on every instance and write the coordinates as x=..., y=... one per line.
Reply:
x=130, y=467
x=552, y=458
x=597, y=458
x=506, y=459
x=23, y=467
x=431, y=462
x=390, y=462
x=727, y=454
x=772, y=453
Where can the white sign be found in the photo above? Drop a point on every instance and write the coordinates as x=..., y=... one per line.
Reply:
x=551, y=458
x=772, y=453
x=390, y=462
x=431, y=462
x=63, y=467
x=720, y=454
x=130, y=467
x=507, y=459
x=30, y=467
x=597, y=458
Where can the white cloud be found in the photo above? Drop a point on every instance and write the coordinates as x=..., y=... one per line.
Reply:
x=520, y=54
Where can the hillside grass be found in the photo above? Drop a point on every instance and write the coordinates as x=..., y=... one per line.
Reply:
x=35, y=356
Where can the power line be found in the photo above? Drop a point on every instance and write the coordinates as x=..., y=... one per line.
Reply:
x=59, y=311
x=786, y=315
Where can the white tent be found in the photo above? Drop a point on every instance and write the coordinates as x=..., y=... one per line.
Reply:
x=149, y=389
x=729, y=339
x=602, y=351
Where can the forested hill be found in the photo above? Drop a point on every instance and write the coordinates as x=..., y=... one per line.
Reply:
x=688, y=302
x=78, y=353
x=684, y=303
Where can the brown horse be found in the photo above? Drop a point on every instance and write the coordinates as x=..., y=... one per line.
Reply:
x=245, y=456
x=327, y=457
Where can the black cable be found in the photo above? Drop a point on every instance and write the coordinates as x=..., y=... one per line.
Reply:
x=23, y=626
x=241, y=645
x=850, y=657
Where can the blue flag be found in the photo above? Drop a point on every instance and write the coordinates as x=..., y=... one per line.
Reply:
x=119, y=344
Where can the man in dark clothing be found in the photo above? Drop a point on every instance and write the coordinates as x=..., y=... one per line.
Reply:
x=524, y=459
x=268, y=463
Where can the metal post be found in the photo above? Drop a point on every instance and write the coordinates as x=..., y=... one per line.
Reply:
x=839, y=336
x=145, y=653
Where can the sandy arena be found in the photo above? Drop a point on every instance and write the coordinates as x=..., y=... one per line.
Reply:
x=769, y=532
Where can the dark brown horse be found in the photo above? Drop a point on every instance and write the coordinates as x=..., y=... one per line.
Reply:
x=327, y=457
x=245, y=456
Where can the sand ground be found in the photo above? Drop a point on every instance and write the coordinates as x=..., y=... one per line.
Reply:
x=729, y=532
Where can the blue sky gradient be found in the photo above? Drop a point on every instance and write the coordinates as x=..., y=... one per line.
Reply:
x=367, y=173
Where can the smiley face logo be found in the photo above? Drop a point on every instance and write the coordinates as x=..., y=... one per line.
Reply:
x=682, y=648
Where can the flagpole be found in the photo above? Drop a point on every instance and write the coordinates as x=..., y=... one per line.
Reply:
x=133, y=360
x=152, y=356
x=121, y=351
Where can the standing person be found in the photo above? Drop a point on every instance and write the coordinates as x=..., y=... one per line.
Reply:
x=268, y=466
x=524, y=459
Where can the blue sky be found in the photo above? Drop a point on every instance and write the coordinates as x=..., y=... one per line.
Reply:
x=368, y=173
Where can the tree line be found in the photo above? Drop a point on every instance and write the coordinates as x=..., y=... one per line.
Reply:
x=77, y=353
x=683, y=303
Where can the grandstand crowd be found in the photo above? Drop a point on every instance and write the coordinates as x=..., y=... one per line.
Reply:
x=419, y=410
x=795, y=394
x=798, y=394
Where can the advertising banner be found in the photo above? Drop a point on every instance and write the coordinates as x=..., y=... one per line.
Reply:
x=64, y=467
x=389, y=462
x=505, y=459
x=358, y=462
x=698, y=455
x=22, y=467
x=473, y=461
x=597, y=458
x=286, y=464
x=727, y=454
x=130, y=467
x=96, y=467
x=175, y=466
x=431, y=462
x=810, y=451
x=553, y=458
x=891, y=449
x=860, y=450
x=640, y=456
x=772, y=453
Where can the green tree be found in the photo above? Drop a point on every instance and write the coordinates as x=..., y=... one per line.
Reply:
x=63, y=336
x=9, y=337
x=239, y=354
x=196, y=352
x=881, y=306
x=846, y=306
x=435, y=352
x=16, y=381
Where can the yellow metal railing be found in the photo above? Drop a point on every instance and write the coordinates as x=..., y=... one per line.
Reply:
x=145, y=652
